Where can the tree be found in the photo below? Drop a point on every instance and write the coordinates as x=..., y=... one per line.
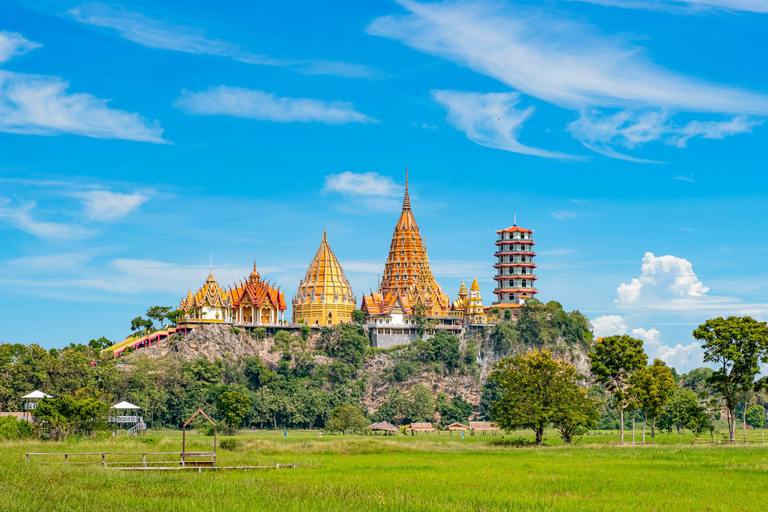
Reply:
x=614, y=359
x=358, y=317
x=422, y=405
x=67, y=415
x=737, y=345
x=538, y=390
x=176, y=315
x=158, y=313
x=140, y=325
x=756, y=416
x=232, y=406
x=451, y=410
x=347, y=419
x=654, y=386
x=100, y=344
x=393, y=407
x=504, y=337
x=684, y=411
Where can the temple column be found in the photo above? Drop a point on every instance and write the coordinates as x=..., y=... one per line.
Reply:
x=258, y=317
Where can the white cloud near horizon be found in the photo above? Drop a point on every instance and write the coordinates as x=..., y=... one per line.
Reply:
x=13, y=44
x=161, y=34
x=674, y=274
x=21, y=217
x=491, y=120
x=608, y=325
x=687, y=6
x=261, y=105
x=42, y=105
x=631, y=129
x=370, y=189
x=103, y=205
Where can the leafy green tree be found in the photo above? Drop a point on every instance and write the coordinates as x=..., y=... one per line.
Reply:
x=176, y=315
x=654, y=385
x=260, y=333
x=737, y=345
x=422, y=404
x=346, y=342
x=100, y=344
x=394, y=407
x=358, y=317
x=756, y=416
x=66, y=415
x=232, y=406
x=696, y=380
x=347, y=419
x=614, y=360
x=683, y=410
x=451, y=410
x=504, y=337
x=536, y=391
x=12, y=428
x=257, y=373
x=141, y=325
x=158, y=314
x=489, y=394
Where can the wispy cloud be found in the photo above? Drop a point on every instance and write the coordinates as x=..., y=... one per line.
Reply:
x=688, y=179
x=687, y=6
x=255, y=104
x=370, y=189
x=160, y=34
x=103, y=205
x=569, y=63
x=564, y=215
x=632, y=129
x=13, y=44
x=491, y=120
x=42, y=105
x=21, y=217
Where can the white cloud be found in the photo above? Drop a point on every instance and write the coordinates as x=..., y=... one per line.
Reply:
x=491, y=120
x=56, y=262
x=687, y=6
x=163, y=35
x=670, y=273
x=41, y=105
x=13, y=44
x=564, y=215
x=688, y=179
x=21, y=218
x=556, y=59
x=103, y=205
x=631, y=129
x=608, y=325
x=681, y=357
x=371, y=189
x=254, y=104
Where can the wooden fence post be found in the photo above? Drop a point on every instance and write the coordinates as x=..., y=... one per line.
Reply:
x=66, y=457
x=144, y=459
x=103, y=459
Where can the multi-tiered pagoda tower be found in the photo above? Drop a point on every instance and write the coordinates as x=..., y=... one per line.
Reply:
x=325, y=296
x=515, y=278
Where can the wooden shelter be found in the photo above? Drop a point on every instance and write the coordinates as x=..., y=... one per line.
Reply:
x=30, y=403
x=483, y=426
x=456, y=426
x=384, y=426
x=421, y=427
x=194, y=455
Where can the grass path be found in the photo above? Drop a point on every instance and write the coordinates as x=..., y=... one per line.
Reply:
x=403, y=474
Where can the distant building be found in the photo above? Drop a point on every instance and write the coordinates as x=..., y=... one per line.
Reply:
x=470, y=304
x=325, y=296
x=515, y=278
x=211, y=303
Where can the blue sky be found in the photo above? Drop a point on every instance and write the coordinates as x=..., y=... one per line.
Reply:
x=139, y=138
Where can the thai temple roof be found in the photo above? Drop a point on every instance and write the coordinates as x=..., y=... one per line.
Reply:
x=324, y=280
x=210, y=294
x=475, y=287
x=255, y=291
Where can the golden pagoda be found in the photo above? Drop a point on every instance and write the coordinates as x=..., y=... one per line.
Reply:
x=460, y=304
x=257, y=302
x=474, y=313
x=325, y=295
x=408, y=279
x=211, y=303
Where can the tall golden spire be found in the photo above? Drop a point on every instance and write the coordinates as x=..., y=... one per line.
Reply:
x=406, y=199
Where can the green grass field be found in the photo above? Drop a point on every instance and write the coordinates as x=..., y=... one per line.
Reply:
x=398, y=473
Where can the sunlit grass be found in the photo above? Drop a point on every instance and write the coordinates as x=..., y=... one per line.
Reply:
x=399, y=473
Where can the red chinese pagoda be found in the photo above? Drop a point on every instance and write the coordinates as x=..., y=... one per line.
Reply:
x=515, y=280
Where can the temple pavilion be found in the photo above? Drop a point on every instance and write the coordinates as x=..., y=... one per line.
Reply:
x=470, y=304
x=325, y=296
x=407, y=288
x=251, y=302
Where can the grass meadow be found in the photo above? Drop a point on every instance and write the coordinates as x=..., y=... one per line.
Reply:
x=400, y=473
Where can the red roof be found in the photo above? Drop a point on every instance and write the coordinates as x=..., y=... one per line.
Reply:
x=515, y=229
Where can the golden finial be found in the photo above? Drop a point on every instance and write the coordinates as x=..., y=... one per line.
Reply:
x=406, y=199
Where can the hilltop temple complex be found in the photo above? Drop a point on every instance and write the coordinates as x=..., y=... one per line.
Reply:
x=408, y=302
x=325, y=295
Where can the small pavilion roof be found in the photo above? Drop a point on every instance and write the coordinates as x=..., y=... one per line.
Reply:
x=385, y=426
x=456, y=426
x=125, y=405
x=37, y=394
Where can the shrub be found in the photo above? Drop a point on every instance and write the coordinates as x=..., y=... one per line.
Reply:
x=229, y=444
x=12, y=428
x=347, y=419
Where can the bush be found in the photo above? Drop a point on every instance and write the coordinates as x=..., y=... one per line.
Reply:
x=12, y=428
x=229, y=444
x=347, y=419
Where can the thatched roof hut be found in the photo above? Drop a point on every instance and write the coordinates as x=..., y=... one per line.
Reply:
x=384, y=426
x=420, y=427
x=456, y=426
x=483, y=426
